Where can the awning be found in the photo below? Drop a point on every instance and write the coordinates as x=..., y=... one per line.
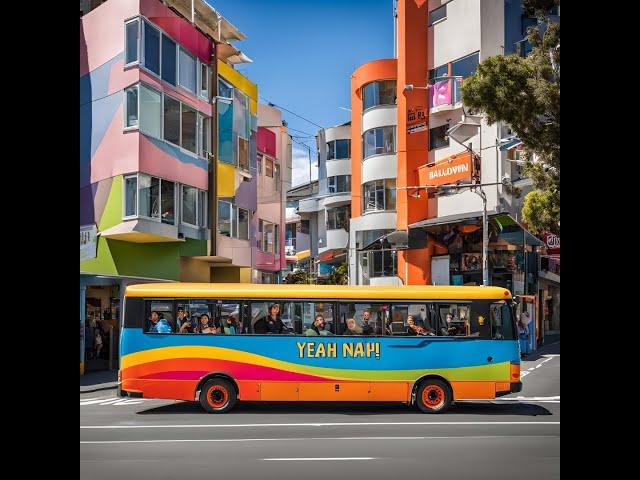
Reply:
x=468, y=218
x=302, y=255
x=516, y=142
x=330, y=255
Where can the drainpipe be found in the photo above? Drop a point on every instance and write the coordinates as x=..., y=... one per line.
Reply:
x=213, y=157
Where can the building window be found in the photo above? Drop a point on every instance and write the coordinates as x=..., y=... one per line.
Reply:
x=259, y=162
x=382, y=92
x=168, y=60
x=156, y=198
x=269, y=231
x=339, y=149
x=151, y=42
x=276, y=176
x=132, y=41
x=243, y=224
x=202, y=209
x=438, y=14
x=465, y=66
x=190, y=205
x=150, y=111
x=243, y=154
x=339, y=184
x=379, y=195
x=224, y=89
x=204, y=80
x=268, y=167
x=379, y=141
x=304, y=227
x=436, y=73
x=233, y=221
x=383, y=263
x=131, y=196
x=131, y=107
x=188, y=122
x=438, y=137
x=187, y=71
x=225, y=131
x=171, y=120
x=338, y=217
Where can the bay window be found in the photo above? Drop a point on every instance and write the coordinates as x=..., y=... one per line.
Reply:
x=339, y=183
x=203, y=83
x=382, y=92
x=379, y=195
x=337, y=149
x=188, y=130
x=338, y=218
x=131, y=107
x=171, y=120
x=150, y=111
x=378, y=141
x=190, y=205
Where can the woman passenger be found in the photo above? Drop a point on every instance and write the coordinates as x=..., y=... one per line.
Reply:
x=203, y=325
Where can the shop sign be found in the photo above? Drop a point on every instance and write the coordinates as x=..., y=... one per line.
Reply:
x=451, y=170
x=88, y=242
x=416, y=120
x=553, y=243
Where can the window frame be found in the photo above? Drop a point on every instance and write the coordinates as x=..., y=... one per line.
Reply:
x=138, y=41
x=135, y=86
x=159, y=218
x=241, y=168
x=395, y=142
x=446, y=127
x=143, y=38
x=124, y=197
x=384, y=190
x=177, y=58
x=366, y=109
x=439, y=20
x=231, y=218
x=179, y=85
x=197, y=206
x=201, y=64
x=140, y=86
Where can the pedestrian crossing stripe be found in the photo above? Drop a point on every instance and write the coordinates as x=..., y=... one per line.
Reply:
x=111, y=401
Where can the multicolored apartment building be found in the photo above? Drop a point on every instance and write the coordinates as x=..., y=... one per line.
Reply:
x=169, y=179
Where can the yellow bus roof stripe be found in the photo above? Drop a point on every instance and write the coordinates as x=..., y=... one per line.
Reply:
x=354, y=292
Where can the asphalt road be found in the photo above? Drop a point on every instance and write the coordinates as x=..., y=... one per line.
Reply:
x=517, y=436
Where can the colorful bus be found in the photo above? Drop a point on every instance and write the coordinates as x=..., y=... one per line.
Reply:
x=217, y=344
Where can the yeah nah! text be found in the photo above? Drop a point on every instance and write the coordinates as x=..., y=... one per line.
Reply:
x=331, y=350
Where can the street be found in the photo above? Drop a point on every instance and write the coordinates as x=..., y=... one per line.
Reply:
x=513, y=436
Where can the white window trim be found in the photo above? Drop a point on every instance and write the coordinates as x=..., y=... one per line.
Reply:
x=232, y=221
x=228, y=84
x=182, y=222
x=204, y=154
x=138, y=215
x=161, y=62
x=141, y=85
x=206, y=97
x=395, y=142
x=138, y=43
x=444, y=5
x=143, y=62
x=237, y=222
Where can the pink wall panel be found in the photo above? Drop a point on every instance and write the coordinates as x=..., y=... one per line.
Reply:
x=154, y=161
x=117, y=153
x=103, y=30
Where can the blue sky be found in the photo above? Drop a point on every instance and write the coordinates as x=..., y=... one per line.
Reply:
x=303, y=55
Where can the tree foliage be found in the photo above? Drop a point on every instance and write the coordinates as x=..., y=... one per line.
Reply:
x=299, y=276
x=525, y=93
x=340, y=275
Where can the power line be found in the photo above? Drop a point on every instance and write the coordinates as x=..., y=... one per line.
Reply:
x=271, y=104
x=303, y=144
x=300, y=131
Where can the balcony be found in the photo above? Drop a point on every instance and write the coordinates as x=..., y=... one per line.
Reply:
x=445, y=94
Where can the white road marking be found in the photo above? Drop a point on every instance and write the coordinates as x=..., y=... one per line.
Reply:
x=237, y=440
x=112, y=401
x=318, y=459
x=336, y=424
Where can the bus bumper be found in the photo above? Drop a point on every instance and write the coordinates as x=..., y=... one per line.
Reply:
x=516, y=387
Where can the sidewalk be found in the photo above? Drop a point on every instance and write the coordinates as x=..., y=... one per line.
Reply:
x=548, y=349
x=95, y=381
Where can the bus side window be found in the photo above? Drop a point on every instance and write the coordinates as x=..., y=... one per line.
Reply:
x=160, y=317
x=501, y=322
x=229, y=318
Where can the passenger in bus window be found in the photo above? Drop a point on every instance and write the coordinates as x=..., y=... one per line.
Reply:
x=449, y=328
x=183, y=318
x=414, y=329
x=318, y=328
x=274, y=322
x=158, y=324
x=204, y=325
x=366, y=318
x=231, y=326
x=186, y=324
x=352, y=327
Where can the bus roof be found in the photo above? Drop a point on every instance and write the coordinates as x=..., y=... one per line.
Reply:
x=294, y=291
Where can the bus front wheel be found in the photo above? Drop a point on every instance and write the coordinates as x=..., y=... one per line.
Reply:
x=217, y=396
x=434, y=396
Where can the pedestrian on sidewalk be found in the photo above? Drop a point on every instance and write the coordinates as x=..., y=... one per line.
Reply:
x=523, y=334
x=98, y=343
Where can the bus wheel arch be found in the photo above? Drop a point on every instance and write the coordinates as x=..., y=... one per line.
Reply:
x=438, y=388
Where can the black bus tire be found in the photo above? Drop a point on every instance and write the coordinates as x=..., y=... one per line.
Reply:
x=434, y=396
x=217, y=396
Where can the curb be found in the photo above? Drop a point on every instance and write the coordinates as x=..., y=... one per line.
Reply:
x=109, y=386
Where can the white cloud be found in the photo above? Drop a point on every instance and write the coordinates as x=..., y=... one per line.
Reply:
x=300, y=166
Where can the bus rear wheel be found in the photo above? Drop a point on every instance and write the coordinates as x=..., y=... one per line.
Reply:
x=217, y=396
x=434, y=396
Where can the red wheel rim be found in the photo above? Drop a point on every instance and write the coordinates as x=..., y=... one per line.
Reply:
x=433, y=396
x=217, y=396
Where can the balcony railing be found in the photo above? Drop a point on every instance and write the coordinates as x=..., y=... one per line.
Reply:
x=445, y=92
